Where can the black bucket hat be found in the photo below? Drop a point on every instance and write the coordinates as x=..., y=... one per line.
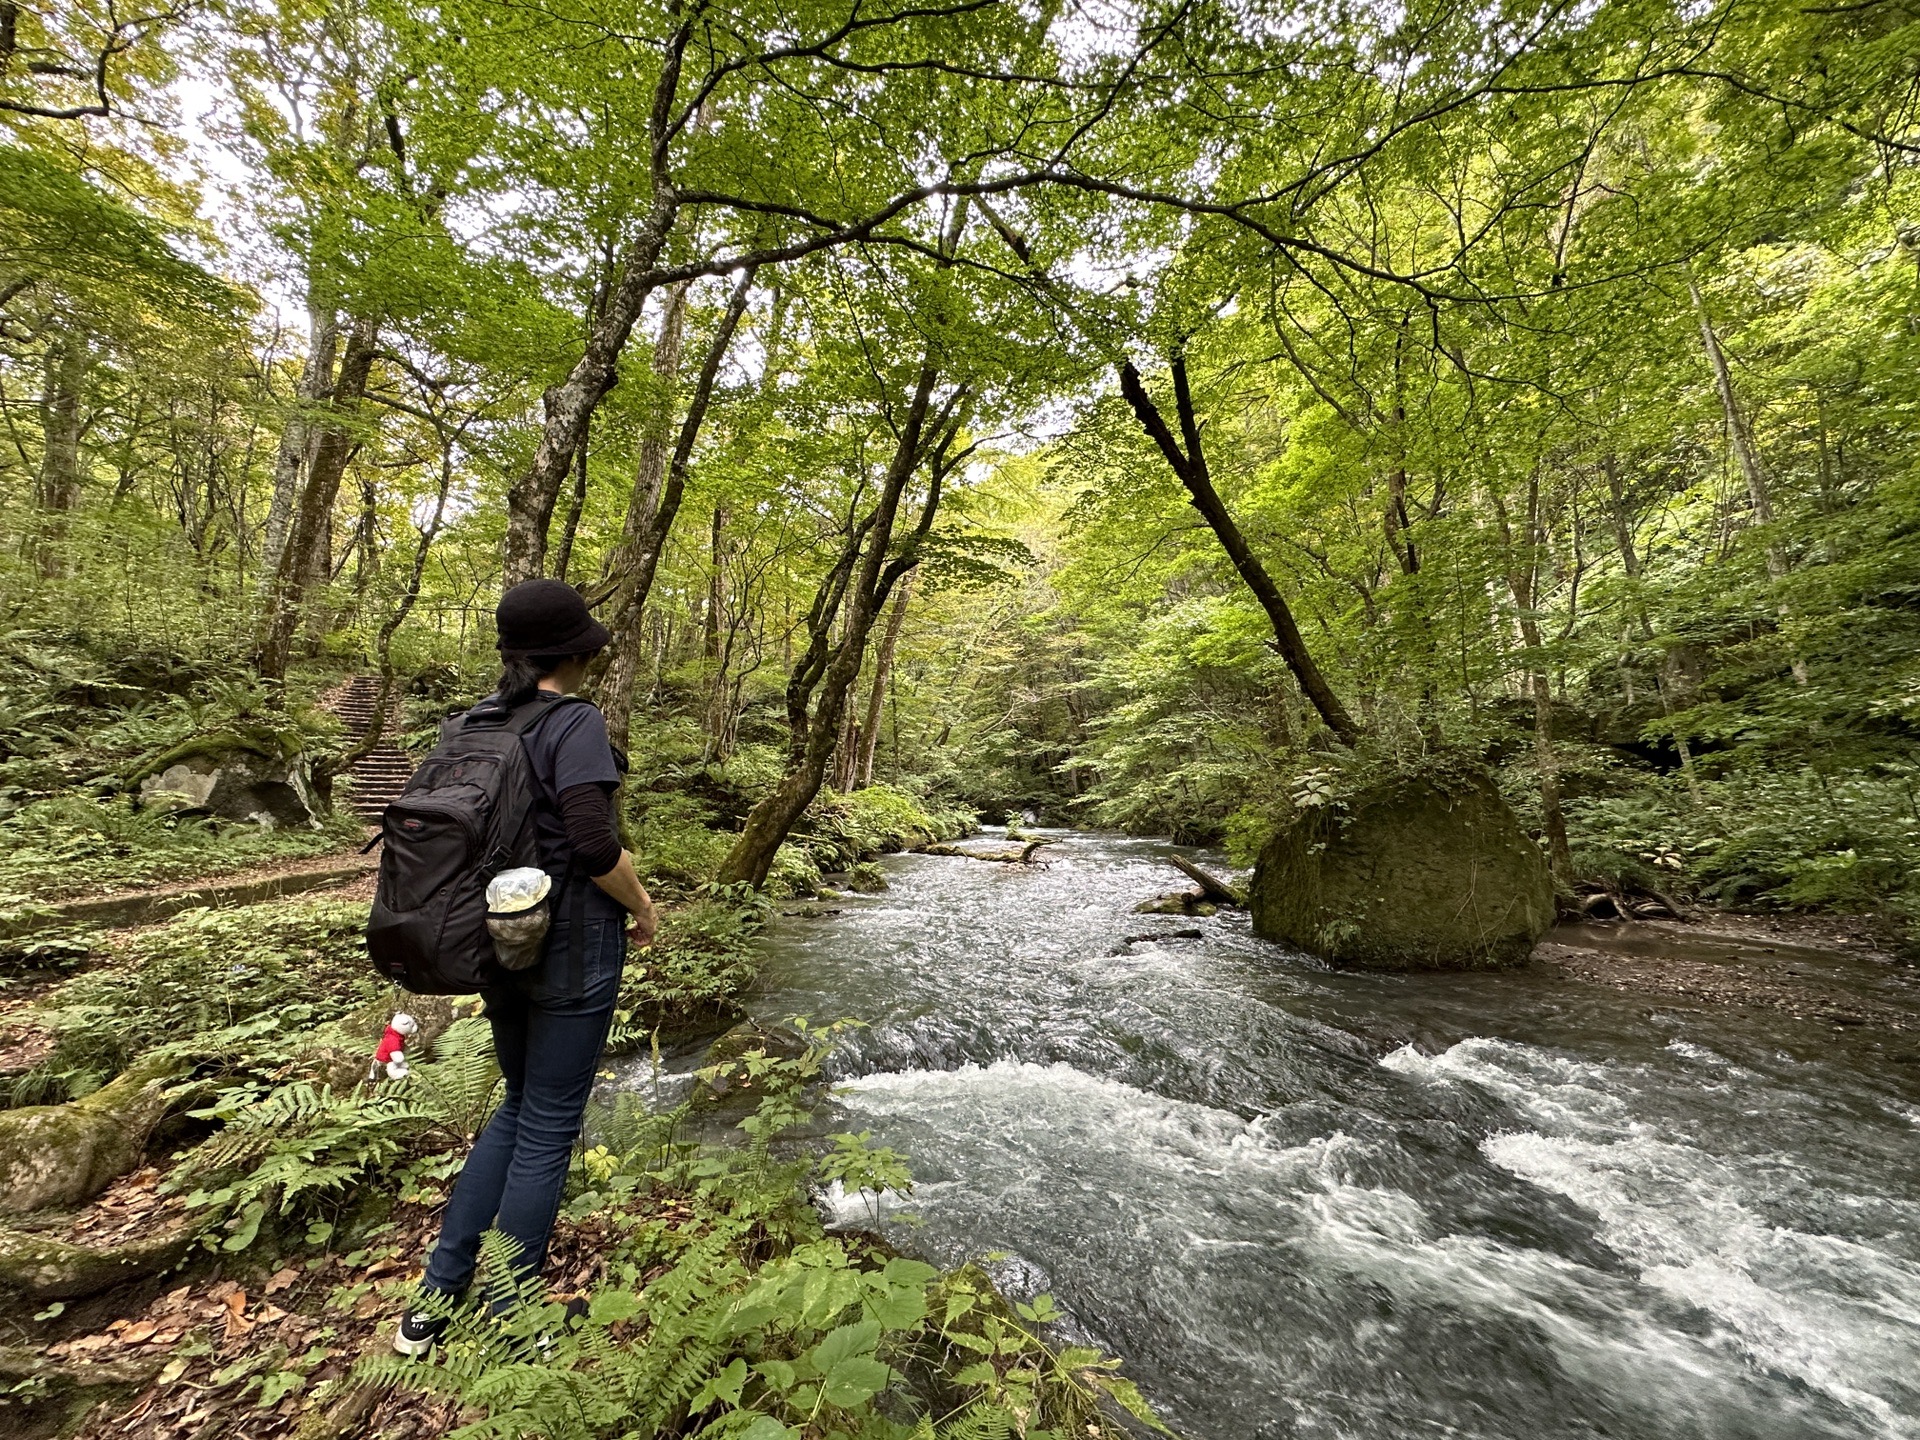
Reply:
x=547, y=617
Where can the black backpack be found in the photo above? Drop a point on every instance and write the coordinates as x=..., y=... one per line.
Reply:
x=466, y=815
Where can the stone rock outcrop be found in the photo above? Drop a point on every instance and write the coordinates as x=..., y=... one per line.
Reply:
x=64, y=1154
x=1420, y=873
x=236, y=785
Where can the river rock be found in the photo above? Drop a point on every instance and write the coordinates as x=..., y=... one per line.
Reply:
x=236, y=785
x=1415, y=873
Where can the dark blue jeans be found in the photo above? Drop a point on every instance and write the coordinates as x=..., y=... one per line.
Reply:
x=548, y=1035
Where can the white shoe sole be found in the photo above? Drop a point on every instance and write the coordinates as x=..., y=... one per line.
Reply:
x=412, y=1349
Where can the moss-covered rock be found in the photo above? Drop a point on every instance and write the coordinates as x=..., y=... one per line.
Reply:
x=1412, y=873
x=62, y=1154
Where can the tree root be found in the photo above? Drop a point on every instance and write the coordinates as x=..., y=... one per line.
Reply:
x=50, y=1269
x=59, y=1155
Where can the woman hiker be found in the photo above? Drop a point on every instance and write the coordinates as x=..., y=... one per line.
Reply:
x=549, y=1023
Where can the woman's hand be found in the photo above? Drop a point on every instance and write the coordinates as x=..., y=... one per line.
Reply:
x=623, y=884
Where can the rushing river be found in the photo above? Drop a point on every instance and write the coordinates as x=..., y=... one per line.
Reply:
x=1310, y=1204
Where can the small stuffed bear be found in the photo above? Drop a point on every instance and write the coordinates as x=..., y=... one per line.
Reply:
x=392, y=1051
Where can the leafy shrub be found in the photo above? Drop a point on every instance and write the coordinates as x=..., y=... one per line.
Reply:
x=282, y=1150
x=702, y=958
x=1761, y=838
x=287, y=966
x=673, y=848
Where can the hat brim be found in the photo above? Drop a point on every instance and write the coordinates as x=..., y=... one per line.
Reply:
x=585, y=642
x=595, y=637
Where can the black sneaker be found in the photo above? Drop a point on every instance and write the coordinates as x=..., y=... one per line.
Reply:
x=419, y=1332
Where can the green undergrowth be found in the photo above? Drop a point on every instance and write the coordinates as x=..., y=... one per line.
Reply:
x=841, y=830
x=702, y=958
x=1792, y=840
x=248, y=985
x=75, y=844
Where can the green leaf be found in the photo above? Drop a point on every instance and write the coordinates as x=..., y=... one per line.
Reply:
x=856, y=1339
x=724, y=1386
x=777, y=1373
x=978, y=1373
x=765, y=1427
x=898, y=1308
x=248, y=1228
x=855, y=1380
x=611, y=1306
x=902, y=1271
x=1127, y=1395
x=278, y=1386
x=826, y=1294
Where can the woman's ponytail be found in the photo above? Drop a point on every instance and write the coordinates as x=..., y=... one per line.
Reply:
x=520, y=676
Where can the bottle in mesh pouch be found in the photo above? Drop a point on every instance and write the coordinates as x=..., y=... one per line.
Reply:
x=518, y=915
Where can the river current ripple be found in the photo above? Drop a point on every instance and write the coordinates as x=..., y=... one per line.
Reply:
x=1309, y=1204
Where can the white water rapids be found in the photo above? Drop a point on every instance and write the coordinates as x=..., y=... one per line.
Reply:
x=1309, y=1204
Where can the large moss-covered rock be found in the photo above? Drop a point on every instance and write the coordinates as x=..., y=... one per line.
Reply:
x=1415, y=873
x=63, y=1154
x=236, y=785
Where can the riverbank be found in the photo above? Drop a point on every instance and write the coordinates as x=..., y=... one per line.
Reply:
x=237, y=1265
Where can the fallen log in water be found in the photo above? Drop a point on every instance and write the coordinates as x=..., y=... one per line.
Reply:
x=1216, y=890
x=1022, y=856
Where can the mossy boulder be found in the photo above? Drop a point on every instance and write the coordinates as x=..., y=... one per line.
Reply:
x=64, y=1154
x=1429, y=872
x=235, y=784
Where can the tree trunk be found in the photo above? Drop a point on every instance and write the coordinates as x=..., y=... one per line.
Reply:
x=58, y=488
x=569, y=406
x=309, y=537
x=1523, y=571
x=830, y=673
x=1191, y=468
x=716, y=583
x=296, y=434
x=882, y=673
x=1630, y=560
x=564, y=561
x=1744, y=453
x=649, y=522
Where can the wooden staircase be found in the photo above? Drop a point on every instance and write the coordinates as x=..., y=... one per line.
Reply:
x=382, y=773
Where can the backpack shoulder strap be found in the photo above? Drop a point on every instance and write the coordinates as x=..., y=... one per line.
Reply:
x=534, y=711
x=521, y=718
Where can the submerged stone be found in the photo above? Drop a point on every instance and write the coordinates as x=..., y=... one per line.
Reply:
x=1414, y=873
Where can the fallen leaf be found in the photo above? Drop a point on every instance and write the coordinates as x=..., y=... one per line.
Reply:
x=118, y=1325
x=269, y=1315
x=173, y=1371
x=167, y=1337
x=281, y=1279
x=88, y=1342
x=237, y=1322
x=222, y=1290
x=139, y=1332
